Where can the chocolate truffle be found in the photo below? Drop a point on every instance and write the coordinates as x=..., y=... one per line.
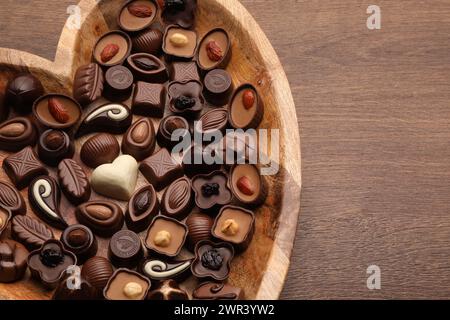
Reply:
x=218, y=291
x=80, y=240
x=218, y=87
x=147, y=67
x=13, y=261
x=214, y=50
x=22, y=91
x=139, y=141
x=181, y=12
x=212, y=260
x=168, y=290
x=84, y=291
x=247, y=185
x=74, y=181
x=118, y=84
x=199, y=226
x=88, y=83
x=158, y=270
x=211, y=191
x=97, y=271
x=99, y=149
x=30, y=232
x=22, y=167
x=161, y=169
x=166, y=236
x=246, y=108
x=5, y=217
x=125, y=249
x=112, y=49
x=104, y=218
x=235, y=225
x=183, y=71
x=211, y=123
x=178, y=200
x=126, y=284
x=137, y=15
x=179, y=43
x=54, y=146
x=56, y=111
x=186, y=98
x=49, y=263
x=16, y=134
x=148, y=41
x=149, y=99
x=167, y=127
x=11, y=199
x=142, y=208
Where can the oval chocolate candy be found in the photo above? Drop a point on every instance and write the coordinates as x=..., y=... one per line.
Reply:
x=177, y=201
x=74, y=181
x=11, y=199
x=139, y=141
x=142, y=208
x=104, y=218
x=99, y=149
x=17, y=133
x=212, y=122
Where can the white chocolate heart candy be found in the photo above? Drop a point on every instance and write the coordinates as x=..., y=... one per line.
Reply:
x=116, y=180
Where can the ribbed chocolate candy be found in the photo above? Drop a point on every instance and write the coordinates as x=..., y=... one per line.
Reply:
x=97, y=271
x=199, y=226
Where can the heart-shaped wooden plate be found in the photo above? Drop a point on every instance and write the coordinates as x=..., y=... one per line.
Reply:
x=262, y=269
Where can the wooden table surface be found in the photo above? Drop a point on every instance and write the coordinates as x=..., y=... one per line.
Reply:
x=374, y=118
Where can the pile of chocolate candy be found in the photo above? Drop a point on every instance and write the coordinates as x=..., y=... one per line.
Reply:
x=154, y=67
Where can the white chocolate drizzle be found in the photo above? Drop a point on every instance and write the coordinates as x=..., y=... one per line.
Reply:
x=115, y=112
x=38, y=196
x=150, y=266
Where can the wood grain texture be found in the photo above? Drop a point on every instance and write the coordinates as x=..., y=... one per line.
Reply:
x=262, y=269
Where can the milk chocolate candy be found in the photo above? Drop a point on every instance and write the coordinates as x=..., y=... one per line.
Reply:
x=11, y=199
x=179, y=43
x=161, y=169
x=218, y=87
x=246, y=108
x=159, y=270
x=5, y=217
x=247, y=185
x=212, y=260
x=45, y=196
x=178, y=200
x=30, y=232
x=211, y=191
x=88, y=83
x=118, y=84
x=147, y=67
x=167, y=127
x=80, y=240
x=199, y=226
x=184, y=71
x=125, y=249
x=22, y=167
x=218, y=291
x=148, y=41
x=126, y=284
x=181, y=12
x=166, y=236
x=74, y=181
x=104, y=218
x=211, y=123
x=139, y=141
x=168, y=290
x=186, y=98
x=13, y=261
x=142, y=208
x=214, y=51
x=199, y=159
x=57, y=111
x=137, y=15
x=112, y=49
x=97, y=271
x=99, y=149
x=17, y=133
x=54, y=146
x=22, y=91
x=149, y=99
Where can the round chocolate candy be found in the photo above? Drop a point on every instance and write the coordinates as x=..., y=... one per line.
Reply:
x=13, y=261
x=80, y=240
x=118, y=84
x=125, y=249
x=22, y=91
x=97, y=271
x=142, y=208
x=167, y=127
x=100, y=149
x=246, y=108
x=177, y=201
x=57, y=111
x=218, y=87
x=112, y=49
x=199, y=226
x=149, y=41
x=54, y=146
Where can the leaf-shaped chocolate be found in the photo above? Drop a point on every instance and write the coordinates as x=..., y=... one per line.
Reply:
x=30, y=232
x=177, y=200
x=11, y=199
x=88, y=83
x=74, y=181
x=214, y=120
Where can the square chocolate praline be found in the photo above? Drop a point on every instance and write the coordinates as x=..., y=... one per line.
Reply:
x=149, y=99
x=178, y=233
x=184, y=71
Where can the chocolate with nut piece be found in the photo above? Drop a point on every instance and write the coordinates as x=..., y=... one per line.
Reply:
x=54, y=146
x=16, y=134
x=104, y=218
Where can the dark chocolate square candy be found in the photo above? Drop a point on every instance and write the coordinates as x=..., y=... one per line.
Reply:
x=182, y=71
x=149, y=99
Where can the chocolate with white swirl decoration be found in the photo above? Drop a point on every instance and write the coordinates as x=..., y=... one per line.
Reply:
x=160, y=270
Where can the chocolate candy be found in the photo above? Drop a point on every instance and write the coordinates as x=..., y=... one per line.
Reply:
x=5, y=217
x=177, y=201
x=194, y=160
x=238, y=147
x=147, y=67
x=137, y=15
x=158, y=270
x=99, y=149
x=57, y=111
x=118, y=84
x=179, y=43
x=148, y=41
x=22, y=167
x=11, y=199
x=16, y=134
x=218, y=291
x=80, y=240
x=126, y=284
x=247, y=185
x=246, y=109
x=111, y=117
x=181, y=12
x=85, y=291
x=112, y=49
x=116, y=180
x=167, y=126
x=13, y=261
x=211, y=191
x=212, y=122
x=54, y=146
x=45, y=197
x=212, y=260
x=49, y=263
x=199, y=226
x=88, y=83
x=235, y=225
x=142, y=208
x=168, y=290
x=214, y=51
x=185, y=98
x=125, y=249
x=149, y=99
x=30, y=232
x=22, y=91
x=74, y=181
x=139, y=141
x=97, y=271
x=160, y=169
x=183, y=71
x=166, y=236
x=218, y=87
x=104, y=218
x=4, y=109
